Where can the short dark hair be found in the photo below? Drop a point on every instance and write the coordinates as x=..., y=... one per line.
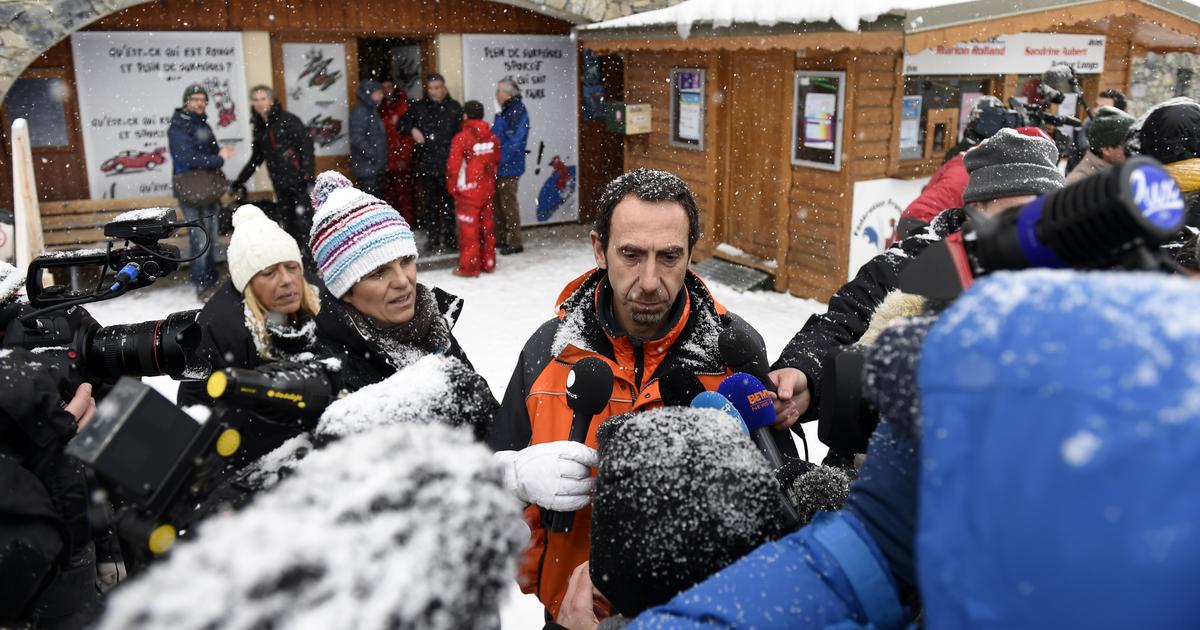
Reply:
x=1118, y=99
x=473, y=110
x=434, y=76
x=647, y=185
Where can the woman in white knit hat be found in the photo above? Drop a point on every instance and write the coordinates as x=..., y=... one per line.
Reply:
x=265, y=312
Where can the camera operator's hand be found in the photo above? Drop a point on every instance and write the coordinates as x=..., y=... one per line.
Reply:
x=792, y=396
x=82, y=406
x=554, y=475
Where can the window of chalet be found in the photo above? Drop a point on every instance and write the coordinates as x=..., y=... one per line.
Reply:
x=945, y=102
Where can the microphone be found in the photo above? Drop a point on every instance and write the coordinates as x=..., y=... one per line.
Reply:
x=1060, y=77
x=742, y=352
x=678, y=387
x=753, y=402
x=589, y=387
x=713, y=400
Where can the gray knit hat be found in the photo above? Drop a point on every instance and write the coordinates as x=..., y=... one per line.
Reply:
x=1010, y=164
x=193, y=89
x=1108, y=128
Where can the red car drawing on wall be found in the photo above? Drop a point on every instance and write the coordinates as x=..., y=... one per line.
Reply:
x=134, y=161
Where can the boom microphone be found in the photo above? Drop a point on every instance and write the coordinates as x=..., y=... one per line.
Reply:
x=1060, y=77
x=753, y=402
x=713, y=400
x=589, y=387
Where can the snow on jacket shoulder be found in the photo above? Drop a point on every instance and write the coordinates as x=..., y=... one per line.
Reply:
x=512, y=127
x=850, y=309
x=535, y=410
x=193, y=145
x=474, y=155
x=944, y=191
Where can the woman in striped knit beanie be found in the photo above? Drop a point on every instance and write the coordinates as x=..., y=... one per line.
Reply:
x=376, y=312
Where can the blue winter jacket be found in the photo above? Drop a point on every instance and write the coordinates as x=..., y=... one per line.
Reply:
x=512, y=128
x=192, y=143
x=368, y=138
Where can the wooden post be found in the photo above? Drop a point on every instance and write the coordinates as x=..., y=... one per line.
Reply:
x=27, y=221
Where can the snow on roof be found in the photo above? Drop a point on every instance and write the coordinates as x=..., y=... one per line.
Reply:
x=724, y=13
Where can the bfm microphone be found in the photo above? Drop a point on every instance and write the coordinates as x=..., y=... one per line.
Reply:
x=753, y=402
x=678, y=387
x=589, y=386
x=713, y=400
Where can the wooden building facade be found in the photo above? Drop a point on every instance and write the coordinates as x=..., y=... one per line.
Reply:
x=764, y=209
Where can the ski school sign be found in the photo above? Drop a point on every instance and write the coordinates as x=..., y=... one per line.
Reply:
x=1023, y=53
x=875, y=211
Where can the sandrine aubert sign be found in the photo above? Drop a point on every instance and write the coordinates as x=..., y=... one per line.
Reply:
x=1022, y=53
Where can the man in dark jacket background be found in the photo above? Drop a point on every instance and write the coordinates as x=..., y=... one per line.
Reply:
x=368, y=140
x=194, y=147
x=432, y=122
x=282, y=141
x=512, y=128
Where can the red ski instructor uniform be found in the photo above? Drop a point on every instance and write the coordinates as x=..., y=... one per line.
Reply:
x=471, y=180
x=535, y=407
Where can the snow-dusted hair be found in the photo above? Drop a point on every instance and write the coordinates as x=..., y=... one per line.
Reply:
x=647, y=185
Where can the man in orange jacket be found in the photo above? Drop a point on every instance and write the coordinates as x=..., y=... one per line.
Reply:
x=644, y=313
x=471, y=180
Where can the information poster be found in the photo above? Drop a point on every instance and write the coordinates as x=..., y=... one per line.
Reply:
x=874, y=213
x=314, y=76
x=545, y=68
x=687, y=108
x=131, y=83
x=817, y=119
x=910, y=128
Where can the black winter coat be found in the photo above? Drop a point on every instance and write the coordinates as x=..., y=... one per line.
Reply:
x=851, y=308
x=282, y=141
x=368, y=138
x=438, y=122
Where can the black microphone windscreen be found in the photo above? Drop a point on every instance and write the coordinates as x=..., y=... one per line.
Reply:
x=740, y=349
x=678, y=387
x=589, y=386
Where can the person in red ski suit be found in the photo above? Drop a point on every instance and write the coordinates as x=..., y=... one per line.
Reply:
x=471, y=180
x=397, y=180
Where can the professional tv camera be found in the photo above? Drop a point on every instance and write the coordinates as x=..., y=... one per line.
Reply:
x=1116, y=219
x=54, y=324
x=1056, y=82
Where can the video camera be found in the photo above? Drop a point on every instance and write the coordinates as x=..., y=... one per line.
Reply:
x=54, y=324
x=1055, y=82
x=1116, y=219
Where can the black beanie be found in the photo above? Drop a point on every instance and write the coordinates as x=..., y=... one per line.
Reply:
x=193, y=89
x=1010, y=164
x=1171, y=133
x=681, y=493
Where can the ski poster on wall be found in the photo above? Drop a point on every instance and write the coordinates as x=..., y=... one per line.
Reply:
x=131, y=83
x=314, y=76
x=817, y=119
x=544, y=66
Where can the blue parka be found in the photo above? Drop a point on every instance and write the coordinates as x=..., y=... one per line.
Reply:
x=192, y=143
x=368, y=138
x=1059, y=444
x=512, y=128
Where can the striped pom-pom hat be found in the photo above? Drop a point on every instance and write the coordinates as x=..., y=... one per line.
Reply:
x=354, y=233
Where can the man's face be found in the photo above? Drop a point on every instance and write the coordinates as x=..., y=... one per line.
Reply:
x=1102, y=102
x=502, y=96
x=436, y=90
x=261, y=101
x=646, y=258
x=196, y=103
x=1112, y=155
x=377, y=96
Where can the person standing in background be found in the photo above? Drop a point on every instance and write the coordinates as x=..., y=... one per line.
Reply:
x=471, y=179
x=511, y=126
x=432, y=123
x=397, y=180
x=368, y=140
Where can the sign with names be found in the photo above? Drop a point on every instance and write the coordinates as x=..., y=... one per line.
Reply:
x=544, y=67
x=314, y=76
x=130, y=84
x=1022, y=53
x=874, y=213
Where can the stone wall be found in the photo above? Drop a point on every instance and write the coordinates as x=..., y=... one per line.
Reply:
x=1156, y=78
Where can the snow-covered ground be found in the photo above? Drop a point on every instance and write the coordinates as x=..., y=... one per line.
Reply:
x=501, y=311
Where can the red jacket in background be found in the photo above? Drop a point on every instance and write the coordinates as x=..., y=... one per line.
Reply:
x=478, y=150
x=943, y=192
x=400, y=145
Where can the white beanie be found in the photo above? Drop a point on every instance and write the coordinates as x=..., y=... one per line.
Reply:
x=257, y=243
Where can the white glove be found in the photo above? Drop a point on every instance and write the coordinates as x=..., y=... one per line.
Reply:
x=554, y=475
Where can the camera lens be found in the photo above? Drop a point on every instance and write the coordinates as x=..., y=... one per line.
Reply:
x=167, y=346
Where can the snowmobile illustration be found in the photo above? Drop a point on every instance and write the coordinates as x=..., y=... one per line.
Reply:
x=557, y=190
x=324, y=130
